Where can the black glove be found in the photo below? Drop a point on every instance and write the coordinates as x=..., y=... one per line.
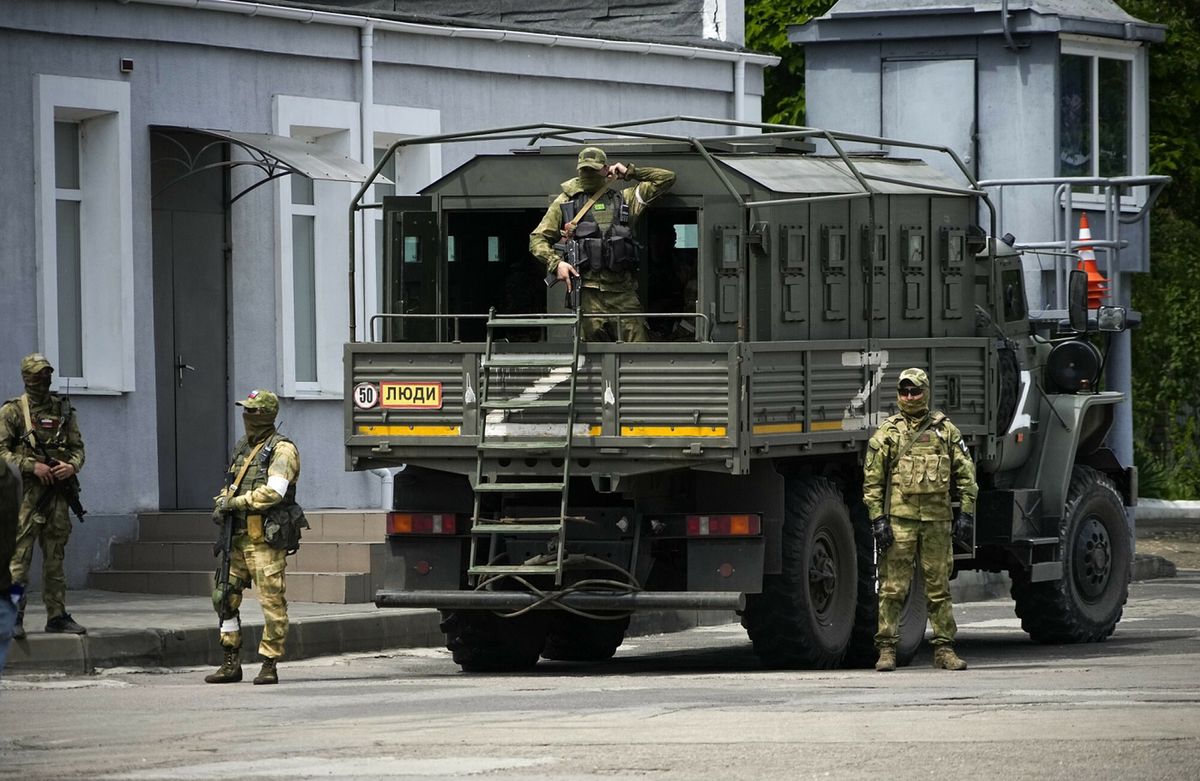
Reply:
x=881, y=527
x=964, y=529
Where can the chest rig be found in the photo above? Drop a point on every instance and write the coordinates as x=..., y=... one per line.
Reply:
x=606, y=244
x=924, y=467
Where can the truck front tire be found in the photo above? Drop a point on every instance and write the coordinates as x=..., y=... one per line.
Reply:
x=573, y=638
x=1096, y=551
x=804, y=616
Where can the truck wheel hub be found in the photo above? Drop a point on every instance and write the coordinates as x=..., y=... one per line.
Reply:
x=1093, y=558
x=822, y=575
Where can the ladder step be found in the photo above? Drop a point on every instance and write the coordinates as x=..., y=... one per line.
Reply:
x=497, y=488
x=524, y=445
x=516, y=528
x=525, y=322
x=558, y=404
x=513, y=569
x=531, y=360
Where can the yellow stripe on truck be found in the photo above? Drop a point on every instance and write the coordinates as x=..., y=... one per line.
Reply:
x=410, y=431
x=778, y=428
x=672, y=431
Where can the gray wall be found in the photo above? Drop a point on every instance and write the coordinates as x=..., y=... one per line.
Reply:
x=219, y=70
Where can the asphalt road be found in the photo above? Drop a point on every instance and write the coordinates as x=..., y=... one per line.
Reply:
x=685, y=706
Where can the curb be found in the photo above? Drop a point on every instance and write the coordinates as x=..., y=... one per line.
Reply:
x=1148, y=567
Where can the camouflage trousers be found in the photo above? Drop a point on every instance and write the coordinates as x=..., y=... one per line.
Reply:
x=50, y=528
x=930, y=542
x=610, y=302
x=258, y=563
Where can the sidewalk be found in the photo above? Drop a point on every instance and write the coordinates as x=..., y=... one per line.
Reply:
x=151, y=630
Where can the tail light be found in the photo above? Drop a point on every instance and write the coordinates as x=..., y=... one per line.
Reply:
x=723, y=525
x=422, y=523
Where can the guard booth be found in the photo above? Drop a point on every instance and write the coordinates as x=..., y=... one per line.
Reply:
x=1047, y=105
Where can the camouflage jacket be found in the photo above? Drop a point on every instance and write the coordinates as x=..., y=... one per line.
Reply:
x=652, y=182
x=270, y=479
x=935, y=467
x=54, y=427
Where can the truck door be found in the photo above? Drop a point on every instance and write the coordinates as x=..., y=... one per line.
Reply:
x=410, y=268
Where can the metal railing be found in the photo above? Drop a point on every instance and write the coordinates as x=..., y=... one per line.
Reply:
x=455, y=319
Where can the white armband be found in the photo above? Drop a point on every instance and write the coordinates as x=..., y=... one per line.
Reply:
x=278, y=483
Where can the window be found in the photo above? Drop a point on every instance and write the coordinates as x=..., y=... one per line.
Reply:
x=85, y=232
x=1101, y=110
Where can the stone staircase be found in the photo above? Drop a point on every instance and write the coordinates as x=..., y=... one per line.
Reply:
x=340, y=561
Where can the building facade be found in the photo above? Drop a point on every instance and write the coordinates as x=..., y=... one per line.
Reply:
x=176, y=184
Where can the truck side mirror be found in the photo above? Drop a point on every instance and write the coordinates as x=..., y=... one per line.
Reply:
x=1077, y=300
x=1111, y=319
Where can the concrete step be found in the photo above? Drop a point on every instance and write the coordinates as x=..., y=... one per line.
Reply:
x=327, y=525
x=329, y=587
x=313, y=556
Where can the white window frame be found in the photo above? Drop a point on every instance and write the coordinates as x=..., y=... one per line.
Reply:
x=1139, y=110
x=334, y=126
x=102, y=109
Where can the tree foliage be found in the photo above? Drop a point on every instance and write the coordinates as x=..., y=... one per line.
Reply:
x=766, y=31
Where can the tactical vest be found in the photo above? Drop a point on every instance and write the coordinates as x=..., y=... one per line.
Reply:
x=613, y=248
x=925, y=467
x=49, y=421
x=256, y=473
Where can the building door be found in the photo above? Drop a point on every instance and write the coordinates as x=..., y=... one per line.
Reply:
x=933, y=102
x=190, y=275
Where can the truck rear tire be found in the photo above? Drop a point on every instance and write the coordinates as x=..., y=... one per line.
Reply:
x=1095, y=550
x=913, y=616
x=804, y=616
x=573, y=638
x=481, y=641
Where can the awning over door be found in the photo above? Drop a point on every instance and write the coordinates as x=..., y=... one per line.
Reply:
x=275, y=156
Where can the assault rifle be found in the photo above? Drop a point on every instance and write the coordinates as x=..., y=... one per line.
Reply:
x=569, y=251
x=223, y=549
x=68, y=489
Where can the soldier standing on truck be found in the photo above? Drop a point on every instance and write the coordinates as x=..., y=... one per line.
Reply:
x=914, y=460
x=39, y=436
x=595, y=223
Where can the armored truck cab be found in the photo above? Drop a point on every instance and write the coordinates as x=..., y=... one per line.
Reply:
x=553, y=486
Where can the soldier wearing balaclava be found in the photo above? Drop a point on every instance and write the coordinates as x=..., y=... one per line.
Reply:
x=915, y=460
x=40, y=438
x=593, y=222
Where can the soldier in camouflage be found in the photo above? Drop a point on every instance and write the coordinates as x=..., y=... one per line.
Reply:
x=268, y=481
x=33, y=426
x=604, y=237
x=915, y=460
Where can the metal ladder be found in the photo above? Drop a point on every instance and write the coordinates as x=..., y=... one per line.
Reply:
x=550, y=527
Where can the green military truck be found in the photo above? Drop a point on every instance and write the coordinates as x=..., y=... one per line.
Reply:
x=553, y=487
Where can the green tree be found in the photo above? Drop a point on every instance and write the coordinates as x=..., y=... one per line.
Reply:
x=766, y=31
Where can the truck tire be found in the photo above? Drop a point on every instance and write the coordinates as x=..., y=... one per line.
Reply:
x=1095, y=550
x=481, y=641
x=913, y=616
x=573, y=638
x=804, y=615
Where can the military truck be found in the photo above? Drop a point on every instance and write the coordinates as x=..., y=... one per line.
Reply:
x=552, y=487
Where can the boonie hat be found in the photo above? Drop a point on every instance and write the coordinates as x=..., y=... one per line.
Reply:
x=34, y=363
x=592, y=157
x=261, y=400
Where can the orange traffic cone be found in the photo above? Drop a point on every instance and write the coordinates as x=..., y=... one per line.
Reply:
x=1097, y=284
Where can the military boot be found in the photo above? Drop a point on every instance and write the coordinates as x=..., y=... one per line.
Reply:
x=230, y=670
x=268, y=674
x=19, y=627
x=944, y=658
x=887, y=659
x=64, y=624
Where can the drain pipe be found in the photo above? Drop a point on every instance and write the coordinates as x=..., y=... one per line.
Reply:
x=739, y=94
x=366, y=102
x=387, y=486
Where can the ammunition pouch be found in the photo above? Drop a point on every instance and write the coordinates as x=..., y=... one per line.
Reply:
x=282, y=525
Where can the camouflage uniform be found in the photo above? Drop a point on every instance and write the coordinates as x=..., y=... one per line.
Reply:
x=920, y=513
x=605, y=291
x=55, y=429
x=10, y=503
x=269, y=480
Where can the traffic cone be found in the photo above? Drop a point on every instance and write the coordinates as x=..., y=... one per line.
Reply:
x=1097, y=284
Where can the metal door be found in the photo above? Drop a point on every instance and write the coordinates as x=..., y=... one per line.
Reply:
x=931, y=101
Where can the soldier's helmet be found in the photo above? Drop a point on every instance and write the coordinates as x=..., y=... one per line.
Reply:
x=592, y=157
x=260, y=400
x=33, y=363
x=915, y=377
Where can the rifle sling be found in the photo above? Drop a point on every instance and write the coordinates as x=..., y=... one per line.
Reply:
x=568, y=230
x=237, y=481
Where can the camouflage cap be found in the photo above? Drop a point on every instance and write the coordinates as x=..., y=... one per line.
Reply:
x=262, y=400
x=914, y=377
x=34, y=363
x=592, y=157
